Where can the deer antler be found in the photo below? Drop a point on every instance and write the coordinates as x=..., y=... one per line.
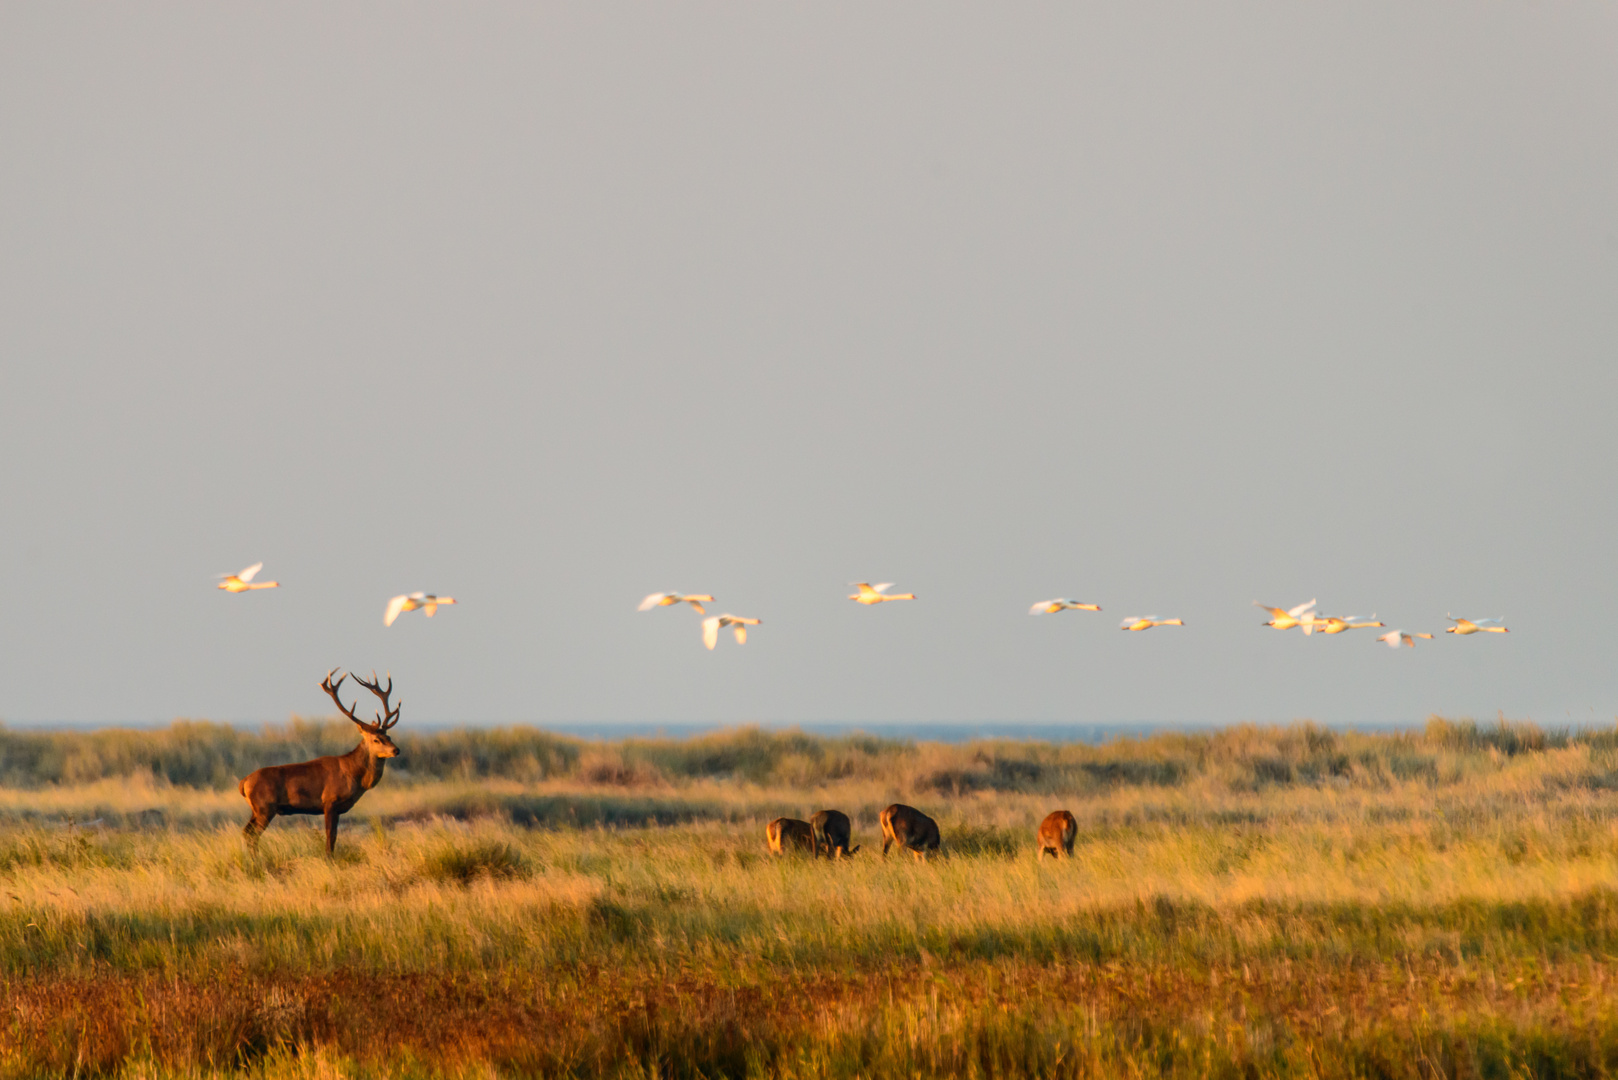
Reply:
x=331, y=689
x=388, y=716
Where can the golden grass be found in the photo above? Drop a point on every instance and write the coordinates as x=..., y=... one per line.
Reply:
x=1431, y=905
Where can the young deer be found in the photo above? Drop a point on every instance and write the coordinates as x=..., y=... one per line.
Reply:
x=911, y=829
x=834, y=829
x=785, y=832
x=326, y=785
x=1056, y=834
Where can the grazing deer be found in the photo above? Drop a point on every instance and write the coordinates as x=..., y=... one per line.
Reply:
x=833, y=827
x=326, y=785
x=911, y=829
x=786, y=832
x=1056, y=835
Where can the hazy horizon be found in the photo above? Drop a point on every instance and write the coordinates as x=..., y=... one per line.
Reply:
x=1163, y=307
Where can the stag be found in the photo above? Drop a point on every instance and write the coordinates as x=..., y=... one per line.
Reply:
x=326, y=785
x=832, y=827
x=911, y=829
x=786, y=832
x=1056, y=835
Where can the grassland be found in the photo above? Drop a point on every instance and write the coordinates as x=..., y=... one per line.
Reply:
x=1278, y=901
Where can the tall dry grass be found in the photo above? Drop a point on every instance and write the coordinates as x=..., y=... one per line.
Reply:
x=1275, y=901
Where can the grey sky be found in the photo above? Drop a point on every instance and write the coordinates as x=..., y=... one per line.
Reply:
x=550, y=306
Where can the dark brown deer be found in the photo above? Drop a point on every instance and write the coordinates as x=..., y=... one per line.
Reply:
x=832, y=827
x=911, y=829
x=326, y=785
x=786, y=832
x=1056, y=834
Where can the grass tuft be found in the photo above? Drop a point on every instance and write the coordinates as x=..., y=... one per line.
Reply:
x=493, y=860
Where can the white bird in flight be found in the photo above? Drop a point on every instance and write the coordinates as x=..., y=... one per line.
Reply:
x=1146, y=622
x=872, y=594
x=401, y=604
x=1396, y=638
x=1051, y=607
x=712, y=624
x=1288, y=618
x=665, y=599
x=1333, y=624
x=242, y=580
x=1475, y=626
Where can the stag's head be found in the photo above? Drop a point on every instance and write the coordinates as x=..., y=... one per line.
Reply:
x=375, y=736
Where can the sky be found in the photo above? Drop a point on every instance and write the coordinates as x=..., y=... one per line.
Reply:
x=1166, y=307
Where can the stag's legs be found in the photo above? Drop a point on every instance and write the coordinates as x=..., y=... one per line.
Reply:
x=255, y=825
x=332, y=815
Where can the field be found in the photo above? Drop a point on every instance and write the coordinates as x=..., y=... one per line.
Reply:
x=1252, y=901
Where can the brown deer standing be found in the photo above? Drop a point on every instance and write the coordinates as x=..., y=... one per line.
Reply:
x=1056, y=835
x=326, y=785
x=834, y=828
x=911, y=829
x=785, y=831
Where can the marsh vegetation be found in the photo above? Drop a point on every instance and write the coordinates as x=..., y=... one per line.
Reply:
x=1252, y=901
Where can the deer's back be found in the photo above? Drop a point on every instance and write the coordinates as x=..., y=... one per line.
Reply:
x=301, y=787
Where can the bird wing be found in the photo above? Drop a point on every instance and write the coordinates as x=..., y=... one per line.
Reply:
x=430, y=608
x=651, y=601
x=395, y=606
x=1044, y=607
x=1274, y=611
x=710, y=631
x=883, y=587
x=1299, y=610
x=1392, y=638
x=1131, y=621
x=741, y=631
x=247, y=575
x=1487, y=622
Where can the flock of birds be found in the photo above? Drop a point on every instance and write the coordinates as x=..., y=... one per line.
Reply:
x=1303, y=617
x=242, y=581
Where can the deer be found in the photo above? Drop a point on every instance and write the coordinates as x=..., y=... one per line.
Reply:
x=326, y=785
x=833, y=827
x=911, y=829
x=1056, y=833
x=786, y=832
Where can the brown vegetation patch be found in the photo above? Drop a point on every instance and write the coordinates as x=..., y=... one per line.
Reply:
x=592, y=1020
